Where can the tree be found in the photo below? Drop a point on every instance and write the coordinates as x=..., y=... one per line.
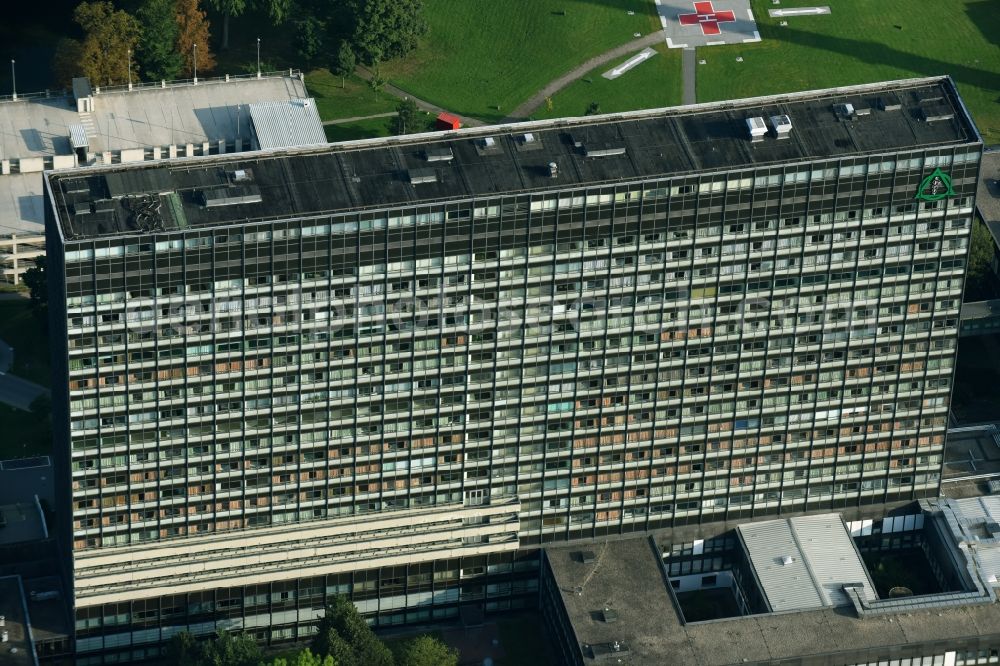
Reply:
x=231, y=649
x=344, y=635
x=228, y=8
x=426, y=651
x=377, y=81
x=226, y=649
x=305, y=658
x=309, y=32
x=66, y=61
x=345, y=62
x=276, y=9
x=192, y=28
x=157, y=51
x=405, y=120
x=593, y=109
x=183, y=648
x=37, y=283
x=109, y=35
x=386, y=29
x=981, y=253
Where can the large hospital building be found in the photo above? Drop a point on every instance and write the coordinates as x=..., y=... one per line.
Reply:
x=398, y=368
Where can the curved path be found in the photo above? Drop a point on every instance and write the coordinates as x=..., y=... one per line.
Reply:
x=424, y=105
x=526, y=108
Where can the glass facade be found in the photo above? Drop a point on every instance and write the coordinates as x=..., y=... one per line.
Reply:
x=620, y=358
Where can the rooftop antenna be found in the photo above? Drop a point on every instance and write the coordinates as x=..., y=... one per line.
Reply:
x=13, y=79
x=258, y=57
x=196, y=63
x=129, y=56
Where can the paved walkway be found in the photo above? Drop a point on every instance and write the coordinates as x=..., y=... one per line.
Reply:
x=354, y=119
x=689, y=73
x=536, y=100
x=424, y=105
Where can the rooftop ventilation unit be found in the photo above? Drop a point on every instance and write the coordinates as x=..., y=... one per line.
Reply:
x=863, y=112
x=888, y=105
x=527, y=137
x=844, y=111
x=419, y=176
x=488, y=142
x=782, y=126
x=439, y=155
x=786, y=560
x=937, y=114
x=605, y=150
x=757, y=128
x=553, y=170
x=241, y=176
x=218, y=197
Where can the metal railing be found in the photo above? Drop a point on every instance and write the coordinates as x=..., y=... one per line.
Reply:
x=148, y=85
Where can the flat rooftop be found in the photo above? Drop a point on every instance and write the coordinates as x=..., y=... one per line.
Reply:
x=487, y=161
x=626, y=576
x=20, y=522
x=145, y=117
x=17, y=651
x=47, y=607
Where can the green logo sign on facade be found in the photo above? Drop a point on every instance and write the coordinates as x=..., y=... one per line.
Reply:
x=935, y=187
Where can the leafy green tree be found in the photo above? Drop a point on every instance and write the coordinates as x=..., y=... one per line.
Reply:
x=305, y=658
x=157, y=52
x=309, y=33
x=37, y=283
x=66, y=61
x=593, y=109
x=426, y=651
x=109, y=34
x=377, y=81
x=228, y=9
x=981, y=253
x=386, y=29
x=277, y=9
x=344, y=63
x=183, y=648
x=344, y=635
x=405, y=121
x=231, y=649
x=226, y=649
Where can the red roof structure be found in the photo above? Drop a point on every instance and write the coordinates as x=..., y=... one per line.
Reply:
x=448, y=121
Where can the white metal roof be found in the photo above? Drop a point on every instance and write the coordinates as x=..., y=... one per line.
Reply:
x=823, y=561
x=145, y=117
x=986, y=507
x=286, y=123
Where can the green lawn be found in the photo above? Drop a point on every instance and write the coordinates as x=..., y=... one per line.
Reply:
x=651, y=84
x=370, y=128
x=22, y=330
x=864, y=41
x=24, y=434
x=353, y=100
x=482, y=54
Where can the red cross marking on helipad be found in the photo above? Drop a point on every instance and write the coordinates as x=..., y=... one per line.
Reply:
x=706, y=16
